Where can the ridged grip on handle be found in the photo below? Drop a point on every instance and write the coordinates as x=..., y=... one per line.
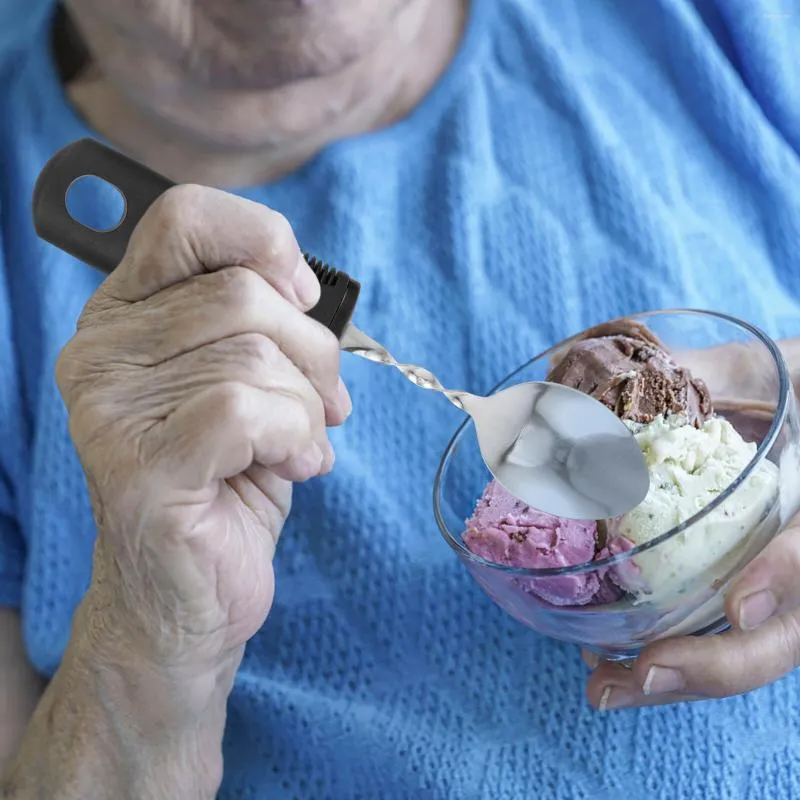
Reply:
x=141, y=187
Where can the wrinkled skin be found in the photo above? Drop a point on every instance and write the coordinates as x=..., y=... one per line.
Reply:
x=197, y=389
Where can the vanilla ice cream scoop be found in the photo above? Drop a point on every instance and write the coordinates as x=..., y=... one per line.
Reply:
x=689, y=468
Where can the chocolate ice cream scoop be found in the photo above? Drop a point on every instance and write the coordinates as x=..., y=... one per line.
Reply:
x=625, y=367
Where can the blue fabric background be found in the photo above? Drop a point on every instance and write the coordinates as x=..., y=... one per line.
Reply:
x=581, y=159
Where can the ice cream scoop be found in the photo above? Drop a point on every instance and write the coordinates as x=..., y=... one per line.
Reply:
x=689, y=468
x=503, y=530
x=546, y=443
x=626, y=367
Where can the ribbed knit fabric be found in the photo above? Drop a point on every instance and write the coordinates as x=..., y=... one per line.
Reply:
x=578, y=161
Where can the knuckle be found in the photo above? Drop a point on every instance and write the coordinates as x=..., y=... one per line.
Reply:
x=177, y=207
x=280, y=243
x=302, y=430
x=166, y=233
x=257, y=351
x=309, y=407
x=231, y=400
x=240, y=290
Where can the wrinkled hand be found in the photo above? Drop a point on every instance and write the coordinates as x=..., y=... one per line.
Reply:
x=762, y=606
x=197, y=389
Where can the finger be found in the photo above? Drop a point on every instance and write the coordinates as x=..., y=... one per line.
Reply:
x=145, y=398
x=711, y=666
x=288, y=469
x=726, y=367
x=258, y=484
x=270, y=508
x=209, y=308
x=769, y=584
x=194, y=229
x=618, y=697
x=277, y=491
x=226, y=429
x=249, y=358
x=616, y=687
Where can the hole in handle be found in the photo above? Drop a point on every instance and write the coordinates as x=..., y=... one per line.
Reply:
x=95, y=203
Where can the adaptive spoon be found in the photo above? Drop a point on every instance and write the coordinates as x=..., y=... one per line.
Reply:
x=557, y=449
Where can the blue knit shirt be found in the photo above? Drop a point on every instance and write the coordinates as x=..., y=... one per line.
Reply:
x=579, y=160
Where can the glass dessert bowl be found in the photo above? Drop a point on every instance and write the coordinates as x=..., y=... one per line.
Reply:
x=710, y=401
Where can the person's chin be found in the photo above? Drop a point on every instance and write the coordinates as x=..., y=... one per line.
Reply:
x=215, y=124
x=273, y=69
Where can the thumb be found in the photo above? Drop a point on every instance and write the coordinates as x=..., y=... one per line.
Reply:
x=190, y=230
x=769, y=584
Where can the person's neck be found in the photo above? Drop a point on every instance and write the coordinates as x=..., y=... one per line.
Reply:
x=284, y=127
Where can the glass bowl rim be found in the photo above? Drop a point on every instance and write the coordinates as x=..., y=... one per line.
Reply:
x=784, y=386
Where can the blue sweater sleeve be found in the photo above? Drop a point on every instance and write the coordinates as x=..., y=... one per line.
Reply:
x=13, y=425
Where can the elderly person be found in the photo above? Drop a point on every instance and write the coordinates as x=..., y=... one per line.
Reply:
x=498, y=174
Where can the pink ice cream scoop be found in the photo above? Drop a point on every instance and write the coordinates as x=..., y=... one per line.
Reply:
x=504, y=530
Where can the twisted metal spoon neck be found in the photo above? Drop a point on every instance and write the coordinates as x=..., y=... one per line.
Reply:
x=357, y=342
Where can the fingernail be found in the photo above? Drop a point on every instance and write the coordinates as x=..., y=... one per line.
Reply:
x=756, y=609
x=345, y=402
x=615, y=697
x=662, y=680
x=306, y=284
x=590, y=659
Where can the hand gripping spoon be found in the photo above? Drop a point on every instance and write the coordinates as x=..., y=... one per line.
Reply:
x=555, y=448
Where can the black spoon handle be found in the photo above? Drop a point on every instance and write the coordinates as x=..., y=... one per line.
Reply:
x=140, y=187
